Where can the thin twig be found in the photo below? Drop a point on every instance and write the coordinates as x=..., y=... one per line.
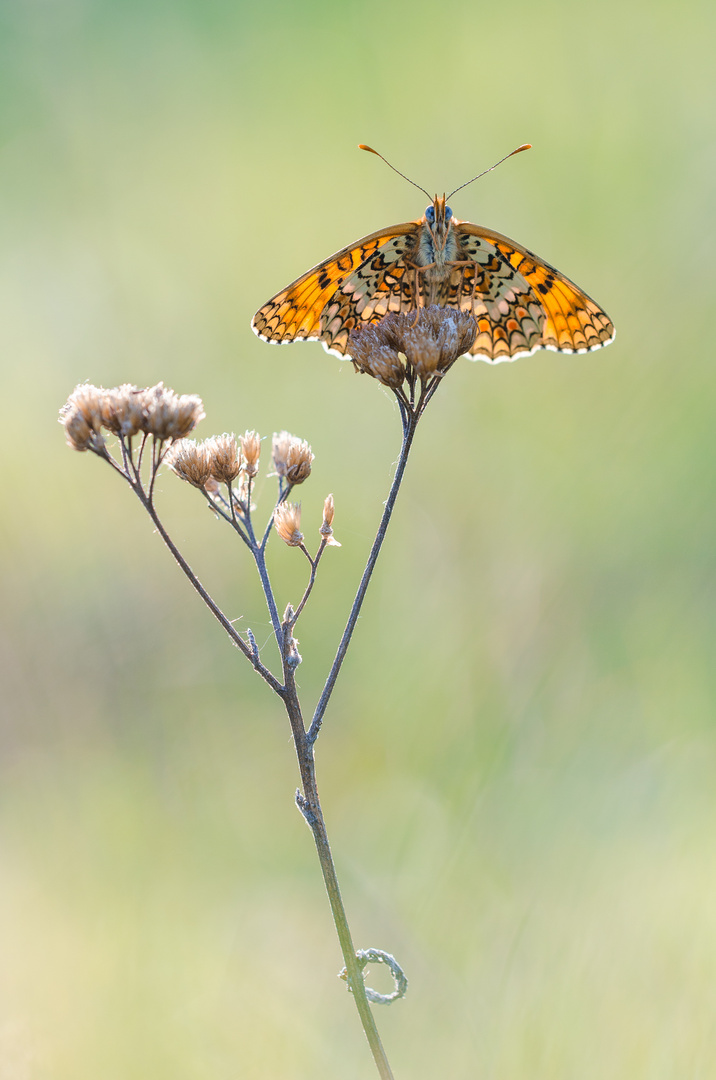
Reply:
x=310, y=807
x=213, y=607
x=409, y=433
x=314, y=567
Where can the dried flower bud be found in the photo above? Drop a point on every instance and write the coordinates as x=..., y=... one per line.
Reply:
x=287, y=520
x=250, y=450
x=168, y=415
x=223, y=451
x=189, y=411
x=81, y=417
x=422, y=352
x=78, y=432
x=325, y=530
x=123, y=410
x=87, y=400
x=374, y=355
x=292, y=457
x=190, y=461
x=328, y=511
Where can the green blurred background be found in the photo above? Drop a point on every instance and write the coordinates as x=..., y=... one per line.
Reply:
x=518, y=764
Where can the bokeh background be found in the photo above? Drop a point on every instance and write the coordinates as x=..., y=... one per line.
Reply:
x=518, y=764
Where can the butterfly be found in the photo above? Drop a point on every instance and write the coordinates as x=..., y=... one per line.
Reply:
x=520, y=302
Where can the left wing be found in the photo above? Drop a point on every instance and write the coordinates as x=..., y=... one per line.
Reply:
x=297, y=312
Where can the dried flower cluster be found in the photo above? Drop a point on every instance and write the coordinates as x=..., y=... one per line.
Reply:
x=214, y=459
x=127, y=411
x=404, y=345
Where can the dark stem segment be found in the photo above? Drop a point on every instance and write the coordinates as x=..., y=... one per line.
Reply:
x=410, y=421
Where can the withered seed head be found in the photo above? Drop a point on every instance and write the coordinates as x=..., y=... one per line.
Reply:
x=375, y=356
x=168, y=415
x=87, y=400
x=190, y=461
x=292, y=457
x=79, y=434
x=287, y=520
x=250, y=450
x=223, y=451
x=81, y=417
x=123, y=410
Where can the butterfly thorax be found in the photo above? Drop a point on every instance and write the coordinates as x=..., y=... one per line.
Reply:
x=436, y=250
x=437, y=244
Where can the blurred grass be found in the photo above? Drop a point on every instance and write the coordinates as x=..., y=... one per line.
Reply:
x=518, y=765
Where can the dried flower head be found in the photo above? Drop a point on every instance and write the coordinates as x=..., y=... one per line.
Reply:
x=374, y=355
x=168, y=415
x=79, y=434
x=223, y=451
x=325, y=530
x=250, y=450
x=190, y=461
x=81, y=417
x=292, y=457
x=123, y=410
x=87, y=400
x=431, y=339
x=287, y=520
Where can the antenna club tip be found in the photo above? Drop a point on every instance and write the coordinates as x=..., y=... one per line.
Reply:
x=362, y=146
x=525, y=146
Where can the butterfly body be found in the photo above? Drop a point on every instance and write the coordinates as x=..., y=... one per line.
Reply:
x=520, y=302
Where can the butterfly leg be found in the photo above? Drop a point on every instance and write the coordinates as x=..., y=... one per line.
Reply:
x=417, y=291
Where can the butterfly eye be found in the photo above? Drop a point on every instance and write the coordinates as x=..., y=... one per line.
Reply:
x=448, y=213
x=430, y=215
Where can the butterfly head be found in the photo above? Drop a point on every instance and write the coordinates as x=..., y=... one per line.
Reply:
x=437, y=218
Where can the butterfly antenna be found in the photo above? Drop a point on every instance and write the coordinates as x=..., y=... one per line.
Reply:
x=372, y=151
x=525, y=146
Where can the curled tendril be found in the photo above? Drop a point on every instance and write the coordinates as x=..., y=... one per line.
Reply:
x=377, y=956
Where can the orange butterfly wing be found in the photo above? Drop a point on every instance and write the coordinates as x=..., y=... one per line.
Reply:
x=570, y=320
x=520, y=302
x=298, y=312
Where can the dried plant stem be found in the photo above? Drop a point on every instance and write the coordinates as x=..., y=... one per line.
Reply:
x=308, y=800
x=310, y=806
x=410, y=421
x=409, y=353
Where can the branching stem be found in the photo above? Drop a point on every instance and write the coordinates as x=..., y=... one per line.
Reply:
x=197, y=585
